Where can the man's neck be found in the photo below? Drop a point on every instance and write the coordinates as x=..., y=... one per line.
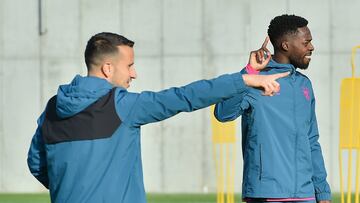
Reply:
x=95, y=74
x=279, y=57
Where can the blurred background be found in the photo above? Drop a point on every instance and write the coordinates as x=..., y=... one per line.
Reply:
x=176, y=42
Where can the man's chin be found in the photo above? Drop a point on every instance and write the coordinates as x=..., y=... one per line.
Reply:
x=125, y=86
x=303, y=66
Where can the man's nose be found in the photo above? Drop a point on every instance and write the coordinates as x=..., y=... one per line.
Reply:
x=133, y=74
x=312, y=47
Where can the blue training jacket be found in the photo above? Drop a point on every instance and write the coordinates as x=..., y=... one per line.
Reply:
x=86, y=148
x=281, y=153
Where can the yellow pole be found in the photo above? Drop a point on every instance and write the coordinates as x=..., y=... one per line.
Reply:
x=227, y=173
x=233, y=175
x=341, y=177
x=357, y=177
x=221, y=175
x=349, y=176
x=216, y=172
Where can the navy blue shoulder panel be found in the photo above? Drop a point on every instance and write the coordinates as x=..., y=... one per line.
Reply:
x=99, y=120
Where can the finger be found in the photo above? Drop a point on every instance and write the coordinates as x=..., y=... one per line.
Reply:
x=265, y=49
x=252, y=53
x=266, y=91
x=261, y=55
x=265, y=42
x=268, y=57
x=276, y=85
x=252, y=56
x=272, y=87
x=266, y=94
x=269, y=89
x=280, y=75
x=258, y=57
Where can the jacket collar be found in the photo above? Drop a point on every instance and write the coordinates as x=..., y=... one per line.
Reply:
x=281, y=67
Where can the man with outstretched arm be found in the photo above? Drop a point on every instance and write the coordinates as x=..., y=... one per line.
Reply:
x=86, y=148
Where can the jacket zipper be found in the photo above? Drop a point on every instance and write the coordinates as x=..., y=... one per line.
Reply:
x=296, y=137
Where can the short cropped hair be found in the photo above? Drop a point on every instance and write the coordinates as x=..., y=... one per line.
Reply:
x=103, y=44
x=284, y=25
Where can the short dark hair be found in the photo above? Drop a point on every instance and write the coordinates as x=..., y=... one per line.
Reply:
x=101, y=44
x=284, y=25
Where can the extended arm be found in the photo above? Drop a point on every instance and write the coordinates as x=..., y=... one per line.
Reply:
x=151, y=107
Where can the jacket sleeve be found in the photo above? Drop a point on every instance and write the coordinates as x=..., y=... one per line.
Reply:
x=148, y=107
x=37, y=157
x=233, y=107
x=322, y=188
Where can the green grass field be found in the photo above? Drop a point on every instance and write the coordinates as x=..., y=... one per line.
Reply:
x=152, y=198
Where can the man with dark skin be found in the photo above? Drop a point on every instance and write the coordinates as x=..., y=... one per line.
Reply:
x=283, y=161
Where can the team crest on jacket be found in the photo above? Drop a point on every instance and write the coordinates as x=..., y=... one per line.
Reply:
x=306, y=92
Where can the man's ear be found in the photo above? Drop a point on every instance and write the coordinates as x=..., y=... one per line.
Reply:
x=106, y=69
x=285, y=46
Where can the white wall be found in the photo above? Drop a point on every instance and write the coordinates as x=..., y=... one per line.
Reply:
x=176, y=42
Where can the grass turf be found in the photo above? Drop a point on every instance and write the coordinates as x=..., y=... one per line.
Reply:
x=151, y=198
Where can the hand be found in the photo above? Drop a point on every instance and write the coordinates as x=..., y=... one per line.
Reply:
x=266, y=82
x=324, y=201
x=257, y=58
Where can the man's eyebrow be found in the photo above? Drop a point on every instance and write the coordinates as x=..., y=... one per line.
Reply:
x=131, y=64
